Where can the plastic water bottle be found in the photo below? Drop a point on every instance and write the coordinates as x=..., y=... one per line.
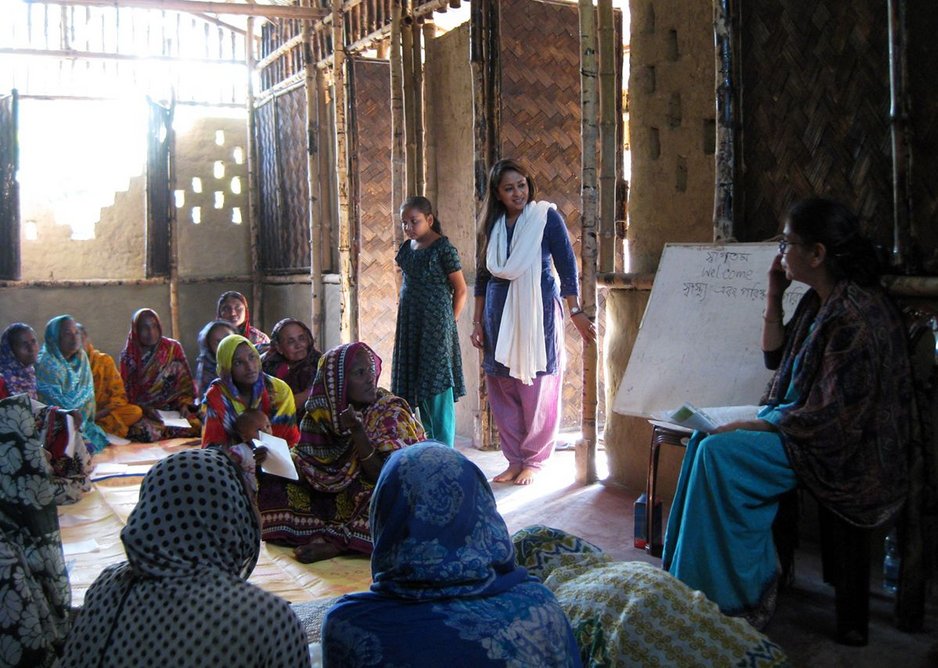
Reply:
x=891, y=563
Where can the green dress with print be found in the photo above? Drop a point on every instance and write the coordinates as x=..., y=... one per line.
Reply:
x=427, y=359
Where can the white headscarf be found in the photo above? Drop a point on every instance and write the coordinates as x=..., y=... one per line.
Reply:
x=520, y=345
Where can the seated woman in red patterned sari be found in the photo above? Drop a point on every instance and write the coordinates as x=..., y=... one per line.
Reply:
x=157, y=378
x=350, y=428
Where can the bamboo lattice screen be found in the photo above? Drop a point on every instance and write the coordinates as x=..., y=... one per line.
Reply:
x=283, y=189
x=371, y=198
x=540, y=126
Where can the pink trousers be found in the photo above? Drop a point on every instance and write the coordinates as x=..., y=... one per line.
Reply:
x=526, y=417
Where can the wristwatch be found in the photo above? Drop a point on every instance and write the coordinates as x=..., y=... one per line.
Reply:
x=574, y=310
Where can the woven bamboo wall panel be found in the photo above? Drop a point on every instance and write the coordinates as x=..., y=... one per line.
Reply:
x=265, y=130
x=923, y=64
x=371, y=148
x=815, y=111
x=540, y=127
x=283, y=187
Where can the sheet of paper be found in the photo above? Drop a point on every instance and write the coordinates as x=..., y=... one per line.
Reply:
x=69, y=520
x=114, y=439
x=81, y=547
x=73, y=435
x=689, y=416
x=174, y=419
x=279, y=461
x=106, y=470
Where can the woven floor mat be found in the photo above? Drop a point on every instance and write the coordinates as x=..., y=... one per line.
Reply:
x=91, y=538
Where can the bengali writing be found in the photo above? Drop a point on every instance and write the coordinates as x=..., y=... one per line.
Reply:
x=699, y=291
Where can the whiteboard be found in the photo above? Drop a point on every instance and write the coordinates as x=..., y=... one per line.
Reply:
x=700, y=338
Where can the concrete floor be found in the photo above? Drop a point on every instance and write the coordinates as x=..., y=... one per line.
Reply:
x=804, y=620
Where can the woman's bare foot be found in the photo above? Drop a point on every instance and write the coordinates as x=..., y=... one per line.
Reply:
x=316, y=550
x=526, y=477
x=509, y=474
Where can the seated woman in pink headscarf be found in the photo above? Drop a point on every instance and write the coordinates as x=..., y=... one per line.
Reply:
x=292, y=357
x=350, y=428
x=232, y=307
x=157, y=378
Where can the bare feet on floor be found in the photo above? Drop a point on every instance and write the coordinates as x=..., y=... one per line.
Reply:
x=508, y=474
x=526, y=477
x=317, y=550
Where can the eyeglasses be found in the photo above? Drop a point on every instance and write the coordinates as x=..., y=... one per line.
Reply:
x=783, y=245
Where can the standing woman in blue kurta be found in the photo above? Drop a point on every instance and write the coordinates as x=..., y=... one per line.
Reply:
x=518, y=321
x=427, y=369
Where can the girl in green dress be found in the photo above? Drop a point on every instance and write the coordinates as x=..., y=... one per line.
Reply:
x=427, y=368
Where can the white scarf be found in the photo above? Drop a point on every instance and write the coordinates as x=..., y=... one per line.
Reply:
x=520, y=345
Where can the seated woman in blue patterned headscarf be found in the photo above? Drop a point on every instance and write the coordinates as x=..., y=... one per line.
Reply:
x=63, y=377
x=446, y=589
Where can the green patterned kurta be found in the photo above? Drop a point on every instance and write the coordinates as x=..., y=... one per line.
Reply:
x=426, y=346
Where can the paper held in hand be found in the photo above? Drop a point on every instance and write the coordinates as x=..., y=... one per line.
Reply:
x=706, y=419
x=279, y=461
x=174, y=419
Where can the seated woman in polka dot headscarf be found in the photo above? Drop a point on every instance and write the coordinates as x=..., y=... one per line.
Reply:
x=181, y=599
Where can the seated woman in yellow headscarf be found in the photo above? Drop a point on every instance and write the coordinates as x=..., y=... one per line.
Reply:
x=114, y=414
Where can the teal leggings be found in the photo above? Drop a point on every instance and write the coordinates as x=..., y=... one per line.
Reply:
x=438, y=415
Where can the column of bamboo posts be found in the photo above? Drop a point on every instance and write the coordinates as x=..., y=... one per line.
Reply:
x=314, y=185
x=608, y=128
x=586, y=447
x=483, y=62
x=348, y=327
x=256, y=303
x=398, y=123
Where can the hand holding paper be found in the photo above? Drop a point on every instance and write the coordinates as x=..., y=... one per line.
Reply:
x=279, y=461
x=707, y=419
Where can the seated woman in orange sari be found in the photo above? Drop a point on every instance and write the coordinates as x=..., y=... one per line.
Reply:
x=351, y=426
x=157, y=378
x=114, y=414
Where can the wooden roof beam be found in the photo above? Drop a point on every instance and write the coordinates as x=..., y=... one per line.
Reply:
x=204, y=7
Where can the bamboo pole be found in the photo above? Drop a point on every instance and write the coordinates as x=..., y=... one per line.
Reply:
x=173, y=239
x=586, y=448
x=608, y=128
x=314, y=187
x=348, y=306
x=416, y=45
x=429, y=185
x=725, y=158
x=254, y=232
x=398, y=122
x=72, y=54
x=620, y=281
x=200, y=6
x=410, y=107
x=899, y=135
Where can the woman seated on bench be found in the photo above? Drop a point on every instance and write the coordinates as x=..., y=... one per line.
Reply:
x=836, y=418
